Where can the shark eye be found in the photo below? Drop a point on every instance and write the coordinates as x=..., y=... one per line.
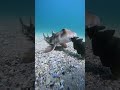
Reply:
x=63, y=29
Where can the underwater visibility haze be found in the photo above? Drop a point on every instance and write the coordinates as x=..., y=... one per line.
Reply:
x=107, y=10
x=58, y=14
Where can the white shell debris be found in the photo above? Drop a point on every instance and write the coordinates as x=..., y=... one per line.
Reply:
x=58, y=68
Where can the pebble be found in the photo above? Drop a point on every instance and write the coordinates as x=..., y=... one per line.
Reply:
x=59, y=66
x=61, y=87
x=62, y=82
x=55, y=75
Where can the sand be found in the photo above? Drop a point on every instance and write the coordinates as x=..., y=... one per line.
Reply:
x=61, y=69
x=96, y=75
x=13, y=72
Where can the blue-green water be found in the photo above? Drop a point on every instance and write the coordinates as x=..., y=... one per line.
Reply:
x=57, y=14
x=107, y=10
x=17, y=8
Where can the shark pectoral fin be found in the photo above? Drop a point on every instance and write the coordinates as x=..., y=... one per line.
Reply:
x=64, y=45
x=49, y=48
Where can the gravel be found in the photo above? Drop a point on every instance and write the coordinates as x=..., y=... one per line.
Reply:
x=13, y=72
x=97, y=76
x=61, y=69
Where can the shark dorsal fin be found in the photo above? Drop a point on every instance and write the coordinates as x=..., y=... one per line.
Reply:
x=20, y=19
x=53, y=33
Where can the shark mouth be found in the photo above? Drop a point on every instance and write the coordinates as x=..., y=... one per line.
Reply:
x=59, y=38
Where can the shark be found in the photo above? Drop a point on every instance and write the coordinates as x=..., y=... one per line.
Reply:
x=60, y=38
x=28, y=30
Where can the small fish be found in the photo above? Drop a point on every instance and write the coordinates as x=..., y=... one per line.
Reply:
x=59, y=38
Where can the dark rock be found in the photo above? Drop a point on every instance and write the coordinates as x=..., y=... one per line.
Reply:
x=63, y=73
x=79, y=45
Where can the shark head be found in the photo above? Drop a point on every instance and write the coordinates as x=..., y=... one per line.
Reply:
x=59, y=38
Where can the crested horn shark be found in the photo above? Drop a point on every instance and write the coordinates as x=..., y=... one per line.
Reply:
x=29, y=32
x=59, y=38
